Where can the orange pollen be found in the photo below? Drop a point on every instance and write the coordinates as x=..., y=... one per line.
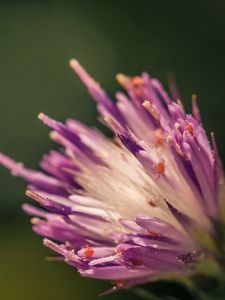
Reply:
x=151, y=203
x=160, y=168
x=119, y=282
x=117, y=251
x=88, y=252
x=153, y=234
x=137, y=81
x=117, y=141
x=118, y=254
x=190, y=128
x=136, y=262
x=159, y=138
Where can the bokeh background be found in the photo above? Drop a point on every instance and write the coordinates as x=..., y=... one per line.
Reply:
x=37, y=38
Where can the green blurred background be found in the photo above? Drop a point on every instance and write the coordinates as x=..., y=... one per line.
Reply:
x=37, y=38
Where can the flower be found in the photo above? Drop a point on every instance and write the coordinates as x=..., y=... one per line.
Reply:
x=127, y=209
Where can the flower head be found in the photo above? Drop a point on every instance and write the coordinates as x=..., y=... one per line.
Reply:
x=127, y=209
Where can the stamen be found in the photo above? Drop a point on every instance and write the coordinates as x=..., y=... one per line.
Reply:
x=112, y=124
x=195, y=109
x=34, y=221
x=41, y=116
x=83, y=74
x=118, y=253
x=147, y=105
x=171, y=140
x=73, y=63
x=194, y=98
x=189, y=258
x=54, y=258
x=70, y=255
x=67, y=244
x=122, y=79
x=180, y=103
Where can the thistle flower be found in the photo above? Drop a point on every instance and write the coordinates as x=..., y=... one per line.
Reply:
x=128, y=209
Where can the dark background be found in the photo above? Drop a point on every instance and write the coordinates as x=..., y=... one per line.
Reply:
x=37, y=38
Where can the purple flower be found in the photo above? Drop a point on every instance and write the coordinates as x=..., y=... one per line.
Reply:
x=127, y=209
